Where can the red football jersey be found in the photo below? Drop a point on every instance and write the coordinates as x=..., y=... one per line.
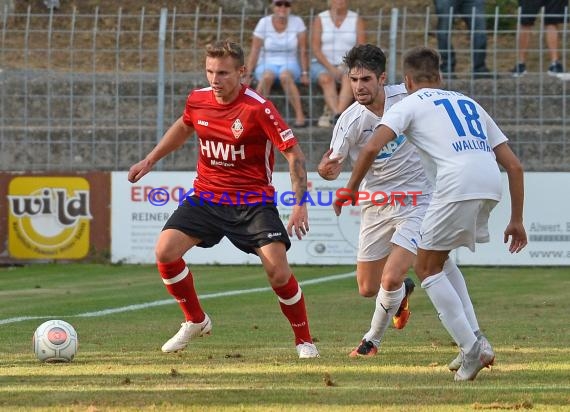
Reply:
x=236, y=144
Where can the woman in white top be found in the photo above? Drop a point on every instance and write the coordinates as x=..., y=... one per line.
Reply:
x=335, y=31
x=278, y=41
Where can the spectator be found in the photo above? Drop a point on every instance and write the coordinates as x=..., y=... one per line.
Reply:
x=279, y=40
x=473, y=13
x=553, y=15
x=334, y=32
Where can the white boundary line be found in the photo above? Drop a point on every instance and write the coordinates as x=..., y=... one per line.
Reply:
x=140, y=306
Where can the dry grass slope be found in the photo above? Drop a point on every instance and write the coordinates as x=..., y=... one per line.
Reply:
x=130, y=6
x=108, y=10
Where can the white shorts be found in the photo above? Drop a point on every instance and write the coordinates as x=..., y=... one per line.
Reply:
x=447, y=226
x=382, y=226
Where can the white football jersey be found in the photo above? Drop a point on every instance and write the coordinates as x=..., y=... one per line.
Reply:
x=455, y=138
x=397, y=167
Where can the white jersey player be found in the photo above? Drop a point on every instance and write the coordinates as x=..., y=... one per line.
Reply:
x=397, y=166
x=388, y=232
x=460, y=146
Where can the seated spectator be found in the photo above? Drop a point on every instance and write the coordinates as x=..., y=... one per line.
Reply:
x=279, y=55
x=553, y=16
x=334, y=32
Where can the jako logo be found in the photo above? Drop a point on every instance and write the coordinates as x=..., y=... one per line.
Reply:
x=49, y=217
x=203, y=122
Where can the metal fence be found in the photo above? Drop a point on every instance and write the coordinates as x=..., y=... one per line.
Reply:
x=95, y=91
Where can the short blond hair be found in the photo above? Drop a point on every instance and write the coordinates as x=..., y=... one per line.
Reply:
x=226, y=48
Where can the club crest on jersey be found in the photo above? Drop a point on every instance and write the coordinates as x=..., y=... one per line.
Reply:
x=237, y=128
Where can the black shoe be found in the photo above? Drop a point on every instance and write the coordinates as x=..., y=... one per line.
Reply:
x=366, y=348
x=400, y=319
x=409, y=285
x=555, y=69
x=519, y=70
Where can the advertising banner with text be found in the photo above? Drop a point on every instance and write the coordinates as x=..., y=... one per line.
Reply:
x=546, y=219
x=54, y=216
x=139, y=211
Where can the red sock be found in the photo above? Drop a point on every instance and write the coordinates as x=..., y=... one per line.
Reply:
x=179, y=282
x=292, y=305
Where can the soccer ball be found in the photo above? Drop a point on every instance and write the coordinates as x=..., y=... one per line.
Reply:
x=55, y=341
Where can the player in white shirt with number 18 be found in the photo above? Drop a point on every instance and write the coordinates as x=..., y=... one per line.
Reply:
x=460, y=145
x=389, y=233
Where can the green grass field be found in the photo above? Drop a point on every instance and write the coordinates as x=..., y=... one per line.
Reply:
x=249, y=362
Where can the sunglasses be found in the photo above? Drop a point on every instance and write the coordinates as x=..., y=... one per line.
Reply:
x=282, y=4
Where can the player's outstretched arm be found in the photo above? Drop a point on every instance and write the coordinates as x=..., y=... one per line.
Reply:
x=329, y=169
x=515, y=230
x=174, y=137
x=382, y=135
x=299, y=219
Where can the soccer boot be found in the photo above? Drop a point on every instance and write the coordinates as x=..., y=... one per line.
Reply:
x=400, y=319
x=455, y=364
x=307, y=350
x=366, y=348
x=188, y=331
x=480, y=356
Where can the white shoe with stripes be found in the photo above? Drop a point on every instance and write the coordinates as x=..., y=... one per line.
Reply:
x=187, y=332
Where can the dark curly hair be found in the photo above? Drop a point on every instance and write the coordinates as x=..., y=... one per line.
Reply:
x=366, y=56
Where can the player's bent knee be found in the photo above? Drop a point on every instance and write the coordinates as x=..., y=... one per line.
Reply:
x=367, y=291
x=392, y=281
x=424, y=270
x=165, y=255
x=278, y=278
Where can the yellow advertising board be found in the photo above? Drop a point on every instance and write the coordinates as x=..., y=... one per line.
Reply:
x=49, y=217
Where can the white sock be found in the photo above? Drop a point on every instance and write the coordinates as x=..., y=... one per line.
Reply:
x=450, y=310
x=387, y=304
x=458, y=282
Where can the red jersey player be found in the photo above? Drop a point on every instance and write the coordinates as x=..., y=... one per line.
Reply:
x=237, y=131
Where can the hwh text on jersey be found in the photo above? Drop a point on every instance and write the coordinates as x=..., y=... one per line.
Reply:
x=221, y=150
